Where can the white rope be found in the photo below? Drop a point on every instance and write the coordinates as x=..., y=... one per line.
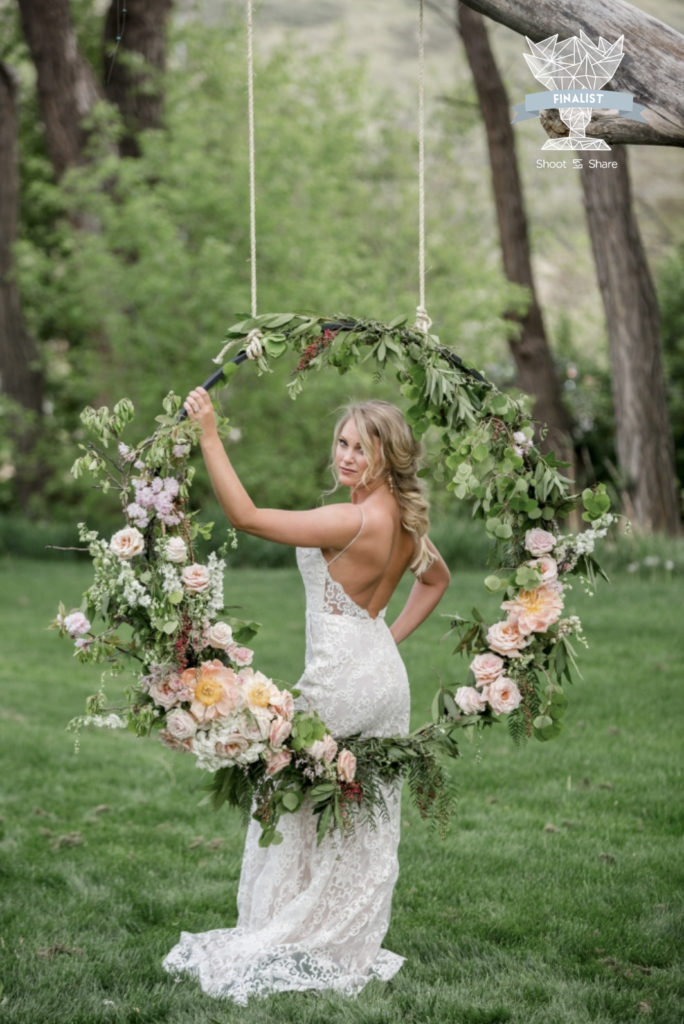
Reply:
x=423, y=321
x=252, y=189
x=253, y=347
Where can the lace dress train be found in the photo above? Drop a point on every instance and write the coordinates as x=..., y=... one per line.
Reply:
x=314, y=916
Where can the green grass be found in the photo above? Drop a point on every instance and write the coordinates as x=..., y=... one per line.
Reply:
x=555, y=898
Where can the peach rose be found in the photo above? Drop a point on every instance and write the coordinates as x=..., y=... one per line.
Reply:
x=469, y=700
x=127, y=543
x=503, y=695
x=180, y=724
x=547, y=567
x=505, y=638
x=324, y=750
x=195, y=577
x=346, y=765
x=276, y=762
x=486, y=668
x=214, y=690
x=280, y=730
x=170, y=691
x=219, y=635
x=539, y=542
x=533, y=611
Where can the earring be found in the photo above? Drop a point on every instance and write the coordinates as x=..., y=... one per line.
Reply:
x=390, y=483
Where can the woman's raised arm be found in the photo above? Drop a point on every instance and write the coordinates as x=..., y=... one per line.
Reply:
x=331, y=526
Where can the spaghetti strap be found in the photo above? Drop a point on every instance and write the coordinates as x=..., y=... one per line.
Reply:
x=355, y=537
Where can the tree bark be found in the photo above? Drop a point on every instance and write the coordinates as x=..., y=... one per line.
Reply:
x=66, y=85
x=20, y=376
x=534, y=363
x=134, y=64
x=643, y=436
x=651, y=69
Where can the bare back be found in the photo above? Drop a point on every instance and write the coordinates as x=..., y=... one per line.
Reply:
x=370, y=567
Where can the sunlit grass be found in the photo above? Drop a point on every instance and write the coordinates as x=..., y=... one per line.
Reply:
x=555, y=898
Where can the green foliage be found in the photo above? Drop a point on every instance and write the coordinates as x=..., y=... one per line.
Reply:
x=671, y=295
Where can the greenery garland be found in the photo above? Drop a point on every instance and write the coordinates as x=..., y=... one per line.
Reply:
x=165, y=612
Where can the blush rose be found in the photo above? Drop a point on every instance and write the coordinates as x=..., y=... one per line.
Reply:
x=127, y=543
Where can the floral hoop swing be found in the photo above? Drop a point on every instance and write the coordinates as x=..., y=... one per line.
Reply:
x=194, y=683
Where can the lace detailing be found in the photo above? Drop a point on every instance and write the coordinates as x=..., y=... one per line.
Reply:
x=314, y=916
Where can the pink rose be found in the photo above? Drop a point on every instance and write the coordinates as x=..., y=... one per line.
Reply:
x=180, y=724
x=195, y=577
x=276, y=762
x=240, y=655
x=323, y=750
x=547, y=567
x=470, y=700
x=76, y=624
x=280, y=730
x=539, y=542
x=169, y=692
x=503, y=695
x=533, y=611
x=231, y=745
x=127, y=543
x=505, y=638
x=486, y=668
x=346, y=765
x=170, y=741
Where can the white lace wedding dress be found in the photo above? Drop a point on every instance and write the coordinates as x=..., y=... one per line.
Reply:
x=314, y=917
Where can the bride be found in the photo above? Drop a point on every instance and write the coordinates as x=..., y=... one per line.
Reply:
x=314, y=916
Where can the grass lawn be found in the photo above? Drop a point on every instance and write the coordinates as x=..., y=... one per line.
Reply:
x=556, y=897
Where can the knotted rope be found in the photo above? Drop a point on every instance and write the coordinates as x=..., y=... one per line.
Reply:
x=423, y=321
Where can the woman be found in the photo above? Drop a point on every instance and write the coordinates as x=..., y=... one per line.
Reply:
x=314, y=916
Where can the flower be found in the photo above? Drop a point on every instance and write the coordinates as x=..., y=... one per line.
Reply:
x=127, y=543
x=195, y=577
x=469, y=700
x=486, y=668
x=503, y=695
x=522, y=443
x=214, y=690
x=240, y=655
x=324, y=750
x=505, y=638
x=76, y=624
x=279, y=731
x=180, y=724
x=275, y=762
x=547, y=567
x=533, y=611
x=170, y=691
x=179, y=451
x=539, y=542
x=219, y=635
x=346, y=765
x=283, y=704
x=175, y=550
x=257, y=688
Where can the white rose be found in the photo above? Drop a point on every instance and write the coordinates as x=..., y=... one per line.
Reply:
x=195, y=577
x=176, y=550
x=219, y=635
x=180, y=724
x=469, y=700
x=127, y=543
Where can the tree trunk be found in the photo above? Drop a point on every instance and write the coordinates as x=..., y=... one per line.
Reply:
x=66, y=85
x=651, y=69
x=20, y=376
x=536, y=372
x=133, y=66
x=643, y=435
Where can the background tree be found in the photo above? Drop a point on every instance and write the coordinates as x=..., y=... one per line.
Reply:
x=643, y=434
x=652, y=70
x=536, y=373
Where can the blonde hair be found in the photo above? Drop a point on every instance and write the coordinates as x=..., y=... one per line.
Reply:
x=398, y=458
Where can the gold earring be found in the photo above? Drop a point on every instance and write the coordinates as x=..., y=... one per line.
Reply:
x=390, y=483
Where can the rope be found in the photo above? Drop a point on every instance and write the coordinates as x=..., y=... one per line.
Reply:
x=252, y=189
x=423, y=321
